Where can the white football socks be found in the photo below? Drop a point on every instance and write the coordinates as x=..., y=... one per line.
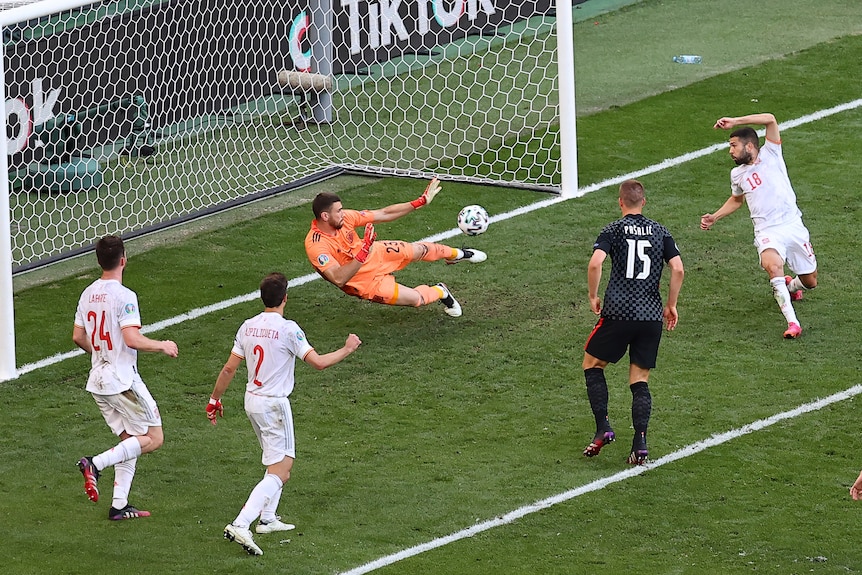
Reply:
x=796, y=285
x=124, y=473
x=269, y=510
x=782, y=296
x=127, y=449
x=260, y=496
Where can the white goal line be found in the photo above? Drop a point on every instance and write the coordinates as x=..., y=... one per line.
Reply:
x=663, y=165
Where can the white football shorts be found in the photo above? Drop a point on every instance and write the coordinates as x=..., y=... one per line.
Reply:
x=793, y=244
x=133, y=411
x=272, y=421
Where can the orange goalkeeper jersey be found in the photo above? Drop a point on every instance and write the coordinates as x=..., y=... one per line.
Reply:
x=323, y=249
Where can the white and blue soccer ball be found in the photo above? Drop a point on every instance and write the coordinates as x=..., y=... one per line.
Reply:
x=473, y=220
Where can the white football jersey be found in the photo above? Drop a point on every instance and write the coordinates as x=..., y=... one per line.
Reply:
x=104, y=309
x=270, y=344
x=766, y=186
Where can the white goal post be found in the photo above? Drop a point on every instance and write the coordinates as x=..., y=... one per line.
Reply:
x=127, y=116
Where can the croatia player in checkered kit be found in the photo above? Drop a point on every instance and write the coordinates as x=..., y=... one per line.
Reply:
x=269, y=344
x=632, y=315
x=760, y=179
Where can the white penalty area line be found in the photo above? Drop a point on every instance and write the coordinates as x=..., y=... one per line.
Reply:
x=542, y=504
x=615, y=181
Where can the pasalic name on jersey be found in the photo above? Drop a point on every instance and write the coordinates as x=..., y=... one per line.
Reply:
x=638, y=230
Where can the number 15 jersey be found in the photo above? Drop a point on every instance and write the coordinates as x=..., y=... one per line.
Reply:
x=638, y=247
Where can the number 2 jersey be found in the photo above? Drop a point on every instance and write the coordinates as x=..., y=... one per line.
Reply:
x=104, y=309
x=270, y=344
x=639, y=248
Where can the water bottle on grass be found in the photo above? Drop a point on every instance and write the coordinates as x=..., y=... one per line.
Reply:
x=687, y=59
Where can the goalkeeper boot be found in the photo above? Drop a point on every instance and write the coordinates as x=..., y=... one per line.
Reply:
x=453, y=308
x=91, y=478
x=601, y=439
x=470, y=255
x=273, y=526
x=243, y=536
x=127, y=512
x=793, y=331
x=794, y=295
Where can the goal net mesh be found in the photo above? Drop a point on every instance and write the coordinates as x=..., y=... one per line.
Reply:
x=127, y=116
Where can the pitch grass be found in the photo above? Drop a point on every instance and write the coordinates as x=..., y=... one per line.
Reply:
x=437, y=423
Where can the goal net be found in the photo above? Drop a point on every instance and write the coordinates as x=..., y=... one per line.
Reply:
x=130, y=114
x=125, y=116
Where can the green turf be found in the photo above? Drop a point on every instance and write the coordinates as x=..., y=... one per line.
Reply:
x=436, y=423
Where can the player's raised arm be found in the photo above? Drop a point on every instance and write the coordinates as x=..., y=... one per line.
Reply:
x=395, y=211
x=321, y=362
x=428, y=195
x=766, y=120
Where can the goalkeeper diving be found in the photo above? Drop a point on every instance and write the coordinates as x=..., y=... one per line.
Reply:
x=363, y=267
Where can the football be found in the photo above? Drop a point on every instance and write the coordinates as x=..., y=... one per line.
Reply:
x=473, y=220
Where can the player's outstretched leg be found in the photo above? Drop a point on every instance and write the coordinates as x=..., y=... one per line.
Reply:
x=453, y=308
x=471, y=255
x=431, y=252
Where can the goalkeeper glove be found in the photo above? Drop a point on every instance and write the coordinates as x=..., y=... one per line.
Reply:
x=367, y=240
x=214, y=410
x=428, y=194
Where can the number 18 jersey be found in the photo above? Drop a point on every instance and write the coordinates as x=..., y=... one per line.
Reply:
x=767, y=189
x=270, y=344
x=638, y=247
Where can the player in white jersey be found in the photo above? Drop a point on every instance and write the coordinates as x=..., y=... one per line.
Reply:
x=760, y=179
x=269, y=344
x=107, y=326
